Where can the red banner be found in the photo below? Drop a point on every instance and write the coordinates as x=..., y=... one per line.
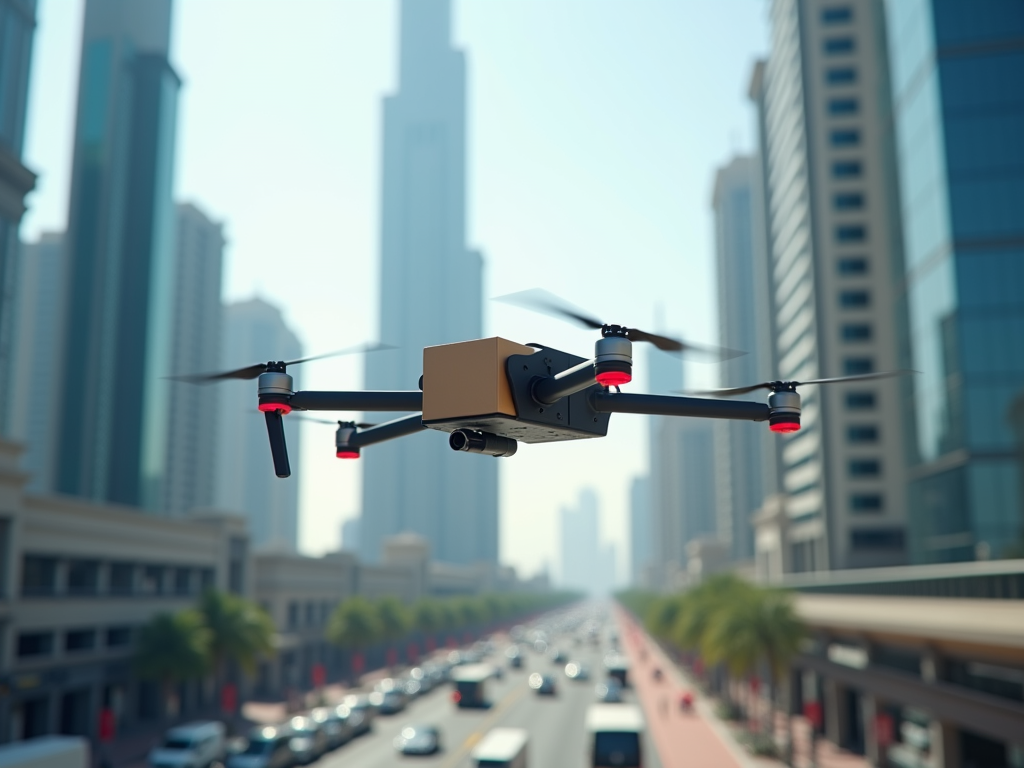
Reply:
x=884, y=729
x=108, y=725
x=812, y=711
x=357, y=662
x=228, y=698
x=319, y=675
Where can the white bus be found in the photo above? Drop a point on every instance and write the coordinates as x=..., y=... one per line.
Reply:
x=470, y=689
x=501, y=748
x=614, y=736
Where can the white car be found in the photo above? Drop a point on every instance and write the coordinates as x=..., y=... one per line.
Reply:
x=193, y=745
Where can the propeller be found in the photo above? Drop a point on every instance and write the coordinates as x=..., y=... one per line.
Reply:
x=253, y=371
x=777, y=386
x=539, y=300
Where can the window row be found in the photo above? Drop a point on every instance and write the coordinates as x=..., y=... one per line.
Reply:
x=877, y=538
x=43, y=643
x=43, y=575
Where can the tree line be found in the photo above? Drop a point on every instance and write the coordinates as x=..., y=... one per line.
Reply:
x=727, y=629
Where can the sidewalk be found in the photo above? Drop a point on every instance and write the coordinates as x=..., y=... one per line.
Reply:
x=701, y=739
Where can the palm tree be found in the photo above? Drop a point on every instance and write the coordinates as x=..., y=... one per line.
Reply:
x=394, y=619
x=172, y=648
x=354, y=625
x=240, y=632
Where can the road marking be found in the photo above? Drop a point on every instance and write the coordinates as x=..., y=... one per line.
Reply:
x=496, y=712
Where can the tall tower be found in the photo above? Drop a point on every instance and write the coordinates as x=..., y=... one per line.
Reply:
x=957, y=70
x=254, y=330
x=833, y=251
x=195, y=347
x=120, y=240
x=17, y=22
x=430, y=284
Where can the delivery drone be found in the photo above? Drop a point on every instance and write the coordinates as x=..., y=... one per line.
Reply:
x=490, y=394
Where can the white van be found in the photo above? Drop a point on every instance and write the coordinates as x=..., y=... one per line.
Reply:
x=193, y=745
x=501, y=748
x=615, y=736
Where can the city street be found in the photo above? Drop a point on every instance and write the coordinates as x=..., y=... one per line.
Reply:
x=555, y=723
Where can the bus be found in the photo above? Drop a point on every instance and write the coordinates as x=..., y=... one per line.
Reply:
x=614, y=736
x=501, y=748
x=470, y=685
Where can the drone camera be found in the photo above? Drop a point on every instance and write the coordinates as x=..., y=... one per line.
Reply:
x=481, y=442
x=784, y=414
x=613, y=361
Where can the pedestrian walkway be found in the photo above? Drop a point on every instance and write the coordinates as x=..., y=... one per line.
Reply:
x=683, y=740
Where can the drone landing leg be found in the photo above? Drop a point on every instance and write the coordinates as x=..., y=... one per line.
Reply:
x=278, y=447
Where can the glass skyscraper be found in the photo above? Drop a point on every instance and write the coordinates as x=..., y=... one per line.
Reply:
x=958, y=95
x=120, y=240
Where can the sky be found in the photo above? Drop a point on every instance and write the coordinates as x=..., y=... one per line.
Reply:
x=595, y=128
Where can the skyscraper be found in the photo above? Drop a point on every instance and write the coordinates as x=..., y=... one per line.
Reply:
x=195, y=348
x=586, y=565
x=641, y=543
x=38, y=324
x=957, y=74
x=120, y=241
x=745, y=452
x=255, y=331
x=833, y=246
x=17, y=26
x=430, y=294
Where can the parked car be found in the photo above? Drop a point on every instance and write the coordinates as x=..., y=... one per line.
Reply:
x=193, y=745
x=336, y=728
x=544, y=685
x=308, y=741
x=266, y=747
x=361, y=711
x=418, y=740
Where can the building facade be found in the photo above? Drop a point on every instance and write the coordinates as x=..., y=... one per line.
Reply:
x=587, y=565
x=745, y=453
x=430, y=294
x=255, y=331
x=833, y=250
x=17, y=25
x=641, y=542
x=120, y=241
x=38, y=326
x=195, y=348
x=959, y=112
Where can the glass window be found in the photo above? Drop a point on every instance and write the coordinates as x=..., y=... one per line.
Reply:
x=849, y=201
x=118, y=637
x=80, y=640
x=83, y=577
x=38, y=575
x=182, y=581
x=855, y=366
x=853, y=265
x=860, y=401
x=35, y=644
x=846, y=169
x=865, y=468
x=851, y=233
x=122, y=578
x=877, y=538
x=5, y=527
x=293, y=614
x=856, y=332
x=837, y=15
x=862, y=433
x=843, y=106
x=866, y=502
x=153, y=580
x=845, y=137
x=838, y=45
x=854, y=299
x=840, y=75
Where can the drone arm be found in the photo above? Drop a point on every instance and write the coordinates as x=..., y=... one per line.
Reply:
x=389, y=430
x=357, y=401
x=278, y=447
x=549, y=390
x=663, y=405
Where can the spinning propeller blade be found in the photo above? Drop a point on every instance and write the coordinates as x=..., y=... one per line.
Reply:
x=253, y=371
x=774, y=385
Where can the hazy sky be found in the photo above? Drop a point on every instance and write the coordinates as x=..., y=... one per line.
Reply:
x=595, y=127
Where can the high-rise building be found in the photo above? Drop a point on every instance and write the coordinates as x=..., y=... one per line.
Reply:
x=254, y=331
x=431, y=288
x=38, y=324
x=350, y=534
x=833, y=247
x=120, y=246
x=641, y=542
x=17, y=27
x=195, y=348
x=957, y=74
x=745, y=452
x=586, y=564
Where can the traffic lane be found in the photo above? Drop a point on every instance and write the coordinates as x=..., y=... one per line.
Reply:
x=435, y=708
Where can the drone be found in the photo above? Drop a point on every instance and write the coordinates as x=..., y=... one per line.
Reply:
x=491, y=394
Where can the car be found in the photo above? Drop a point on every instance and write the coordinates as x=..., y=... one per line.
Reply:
x=609, y=693
x=335, y=724
x=361, y=711
x=308, y=741
x=266, y=747
x=418, y=740
x=558, y=656
x=389, y=703
x=544, y=685
x=577, y=671
x=193, y=745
